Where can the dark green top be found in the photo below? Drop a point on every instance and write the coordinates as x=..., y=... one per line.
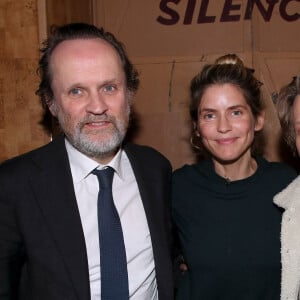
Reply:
x=229, y=232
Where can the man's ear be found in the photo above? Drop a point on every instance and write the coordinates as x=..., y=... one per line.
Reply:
x=130, y=97
x=260, y=121
x=52, y=107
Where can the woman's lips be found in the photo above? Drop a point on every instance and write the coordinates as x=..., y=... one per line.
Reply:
x=226, y=141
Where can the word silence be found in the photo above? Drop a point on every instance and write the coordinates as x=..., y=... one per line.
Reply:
x=231, y=11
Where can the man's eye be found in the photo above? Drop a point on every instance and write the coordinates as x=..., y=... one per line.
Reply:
x=75, y=92
x=109, y=88
x=208, y=116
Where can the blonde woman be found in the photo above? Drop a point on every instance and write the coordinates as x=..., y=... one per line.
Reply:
x=288, y=107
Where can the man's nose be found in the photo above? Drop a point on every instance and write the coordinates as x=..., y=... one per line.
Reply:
x=96, y=103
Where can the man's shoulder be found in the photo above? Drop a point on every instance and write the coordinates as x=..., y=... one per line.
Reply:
x=143, y=150
x=33, y=157
x=146, y=153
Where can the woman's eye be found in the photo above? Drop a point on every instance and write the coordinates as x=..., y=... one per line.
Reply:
x=297, y=131
x=236, y=113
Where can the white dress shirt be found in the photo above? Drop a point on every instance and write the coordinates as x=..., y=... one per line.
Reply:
x=127, y=199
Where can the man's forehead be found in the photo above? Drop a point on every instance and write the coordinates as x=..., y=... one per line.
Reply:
x=92, y=46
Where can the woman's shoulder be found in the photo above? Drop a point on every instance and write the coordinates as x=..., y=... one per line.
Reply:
x=275, y=167
x=183, y=172
x=191, y=169
x=184, y=169
x=275, y=176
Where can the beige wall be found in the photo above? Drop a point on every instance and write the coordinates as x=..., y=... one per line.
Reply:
x=168, y=56
x=20, y=111
x=23, y=24
x=59, y=12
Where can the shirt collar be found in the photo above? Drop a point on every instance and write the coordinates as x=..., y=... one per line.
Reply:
x=82, y=165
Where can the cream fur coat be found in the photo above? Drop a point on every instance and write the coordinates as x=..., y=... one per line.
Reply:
x=289, y=199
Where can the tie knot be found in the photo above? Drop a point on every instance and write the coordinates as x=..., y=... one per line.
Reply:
x=105, y=177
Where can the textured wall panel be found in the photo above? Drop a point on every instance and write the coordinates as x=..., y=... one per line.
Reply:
x=169, y=55
x=20, y=111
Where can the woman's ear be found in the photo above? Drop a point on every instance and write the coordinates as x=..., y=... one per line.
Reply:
x=195, y=128
x=260, y=121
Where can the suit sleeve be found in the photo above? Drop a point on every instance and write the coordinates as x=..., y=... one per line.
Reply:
x=11, y=253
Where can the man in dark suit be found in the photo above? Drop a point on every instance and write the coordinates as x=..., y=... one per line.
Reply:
x=49, y=233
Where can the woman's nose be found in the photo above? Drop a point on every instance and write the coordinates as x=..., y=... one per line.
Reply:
x=224, y=124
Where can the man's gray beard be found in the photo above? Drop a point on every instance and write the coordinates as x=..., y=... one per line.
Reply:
x=100, y=149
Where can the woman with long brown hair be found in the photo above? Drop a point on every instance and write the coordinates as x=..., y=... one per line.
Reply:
x=228, y=226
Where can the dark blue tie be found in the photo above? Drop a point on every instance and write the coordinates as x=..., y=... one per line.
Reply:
x=114, y=277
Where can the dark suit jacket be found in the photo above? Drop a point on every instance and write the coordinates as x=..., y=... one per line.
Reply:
x=41, y=234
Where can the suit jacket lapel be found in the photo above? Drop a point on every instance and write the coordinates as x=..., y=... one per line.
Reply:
x=154, y=187
x=55, y=195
